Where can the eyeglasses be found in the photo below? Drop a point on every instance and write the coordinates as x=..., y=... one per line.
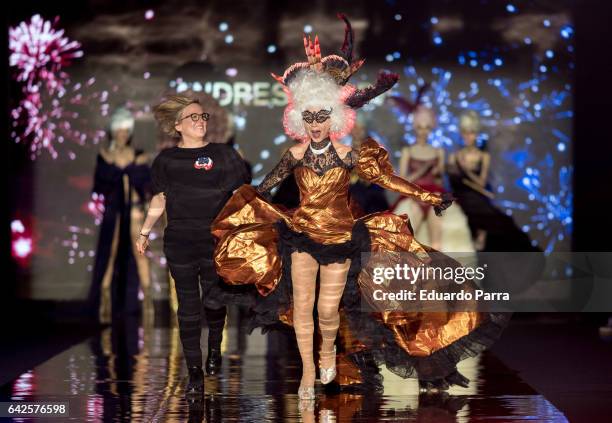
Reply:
x=320, y=116
x=195, y=116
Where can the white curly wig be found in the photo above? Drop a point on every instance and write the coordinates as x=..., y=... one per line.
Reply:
x=316, y=90
x=469, y=122
x=122, y=119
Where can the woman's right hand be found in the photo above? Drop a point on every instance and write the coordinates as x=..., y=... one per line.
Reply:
x=142, y=243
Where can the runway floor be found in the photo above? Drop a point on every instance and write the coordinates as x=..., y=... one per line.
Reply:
x=131, y=373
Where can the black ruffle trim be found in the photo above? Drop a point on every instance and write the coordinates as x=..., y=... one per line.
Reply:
x=381, y=346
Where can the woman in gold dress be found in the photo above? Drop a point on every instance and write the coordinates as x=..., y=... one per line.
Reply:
x=281, y=252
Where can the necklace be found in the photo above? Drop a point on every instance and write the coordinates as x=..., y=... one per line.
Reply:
x=318, y=151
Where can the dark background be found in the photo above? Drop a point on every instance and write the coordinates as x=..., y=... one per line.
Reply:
x=410, y=36
x=25, y=324
x=184, y=46
x=590, y=79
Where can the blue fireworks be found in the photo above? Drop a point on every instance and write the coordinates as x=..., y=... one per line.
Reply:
x=537, y=109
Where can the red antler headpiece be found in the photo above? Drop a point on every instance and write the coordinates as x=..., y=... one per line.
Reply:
x=339, y=67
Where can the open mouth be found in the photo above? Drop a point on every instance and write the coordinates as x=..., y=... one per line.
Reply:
x=315, y=134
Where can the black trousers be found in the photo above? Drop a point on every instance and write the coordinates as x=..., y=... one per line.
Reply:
x=189, y=278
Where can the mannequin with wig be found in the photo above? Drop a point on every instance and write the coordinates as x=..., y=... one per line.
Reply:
x=120, y=192
x=469, y=168
x=423, y=165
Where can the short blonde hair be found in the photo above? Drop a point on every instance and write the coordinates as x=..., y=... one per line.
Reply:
x=168, y=112
x=469, y=122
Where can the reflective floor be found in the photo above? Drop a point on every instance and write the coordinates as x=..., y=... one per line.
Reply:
x=131, y=373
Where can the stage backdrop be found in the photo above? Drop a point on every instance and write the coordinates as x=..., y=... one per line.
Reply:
x=519, y=83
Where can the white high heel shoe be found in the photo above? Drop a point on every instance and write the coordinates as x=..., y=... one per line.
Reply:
x=328, y=375
x=306, y=393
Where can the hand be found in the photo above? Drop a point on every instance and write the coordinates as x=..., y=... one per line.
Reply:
x=142, y=243
x=447, y=200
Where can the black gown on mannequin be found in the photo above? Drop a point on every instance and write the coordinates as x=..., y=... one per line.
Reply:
x=124, y=189
x=502, y=233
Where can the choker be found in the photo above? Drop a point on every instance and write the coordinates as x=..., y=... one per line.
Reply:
x=318, y=151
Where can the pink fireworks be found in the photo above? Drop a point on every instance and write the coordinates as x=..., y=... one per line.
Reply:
x=52, y=109
x=39, y=52
x=95, y=206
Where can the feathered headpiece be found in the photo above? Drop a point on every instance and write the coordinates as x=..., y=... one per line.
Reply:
x=323, y=81
x=406, y=106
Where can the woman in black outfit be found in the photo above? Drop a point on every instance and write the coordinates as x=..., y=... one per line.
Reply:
x=192, y=182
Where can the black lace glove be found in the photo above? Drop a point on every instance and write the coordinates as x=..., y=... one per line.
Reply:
x=447, y=200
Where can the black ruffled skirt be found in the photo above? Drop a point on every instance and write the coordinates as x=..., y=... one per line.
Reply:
x=381, y=347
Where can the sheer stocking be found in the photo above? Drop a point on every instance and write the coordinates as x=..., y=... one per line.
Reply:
x=304, y=276
x=333, y=280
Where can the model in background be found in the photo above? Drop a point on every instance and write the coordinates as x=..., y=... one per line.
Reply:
x=191, y=182
x=423, y=165
x=470, y=172
x=121, y=185
x=492, y=230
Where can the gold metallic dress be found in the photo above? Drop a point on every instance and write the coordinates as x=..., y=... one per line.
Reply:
x=256, y=239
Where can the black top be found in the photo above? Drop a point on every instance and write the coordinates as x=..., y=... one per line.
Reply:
x=197, y=182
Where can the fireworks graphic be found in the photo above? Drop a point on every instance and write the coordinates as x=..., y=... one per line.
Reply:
x=535, y=168
x=21, y=242
x=51, y=107
x=39, y=52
